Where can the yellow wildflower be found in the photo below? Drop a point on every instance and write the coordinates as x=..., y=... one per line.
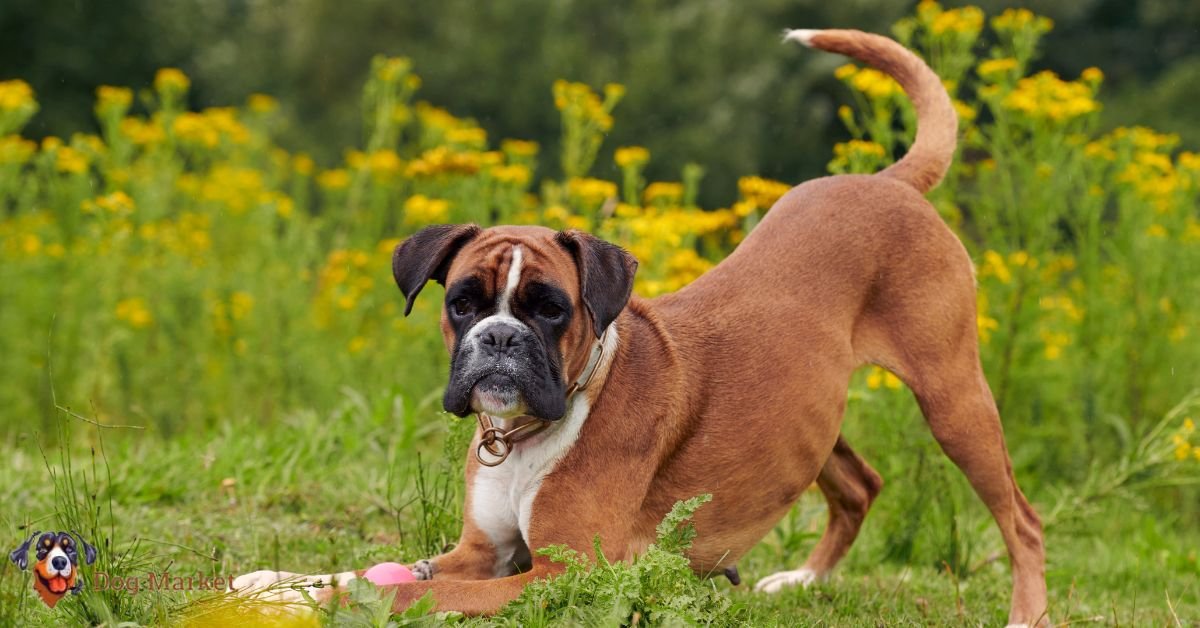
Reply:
x=519, y=148
x=1092, y=76
x=171, y=80
x=628, y=156
x=1183, y=449
x=1099, y=150
x=194, y=128
x=985, y=325
x=442, y=160
x=966, y=113
x=471, y=137
x=968, y=20
x=422, y=210
x=1054, y=343
x=16, y=95
x=391, y=69
x=113, y=100
x=591, y=192
x=69, y=160
x=881, y=378
x=872, y=82
x=303, y=164
x=761, y=192
x=997, y=68
x=240, y=305
x=856, y=156
x=15, y=149
x=994, y=266
x=556, y=213
x=384, y=163
x=118, y=203
x=1012, y=20
x=515, y=174
x=1047, y=97
x=336, y=179
x=667, y=192
x=141, y=132
x=30, y=244
x=262, y=103
x=134, y=312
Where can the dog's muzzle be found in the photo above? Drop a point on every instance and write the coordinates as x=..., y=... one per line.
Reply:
x=502, y=368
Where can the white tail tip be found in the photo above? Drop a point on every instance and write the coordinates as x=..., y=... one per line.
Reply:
x=801, y=36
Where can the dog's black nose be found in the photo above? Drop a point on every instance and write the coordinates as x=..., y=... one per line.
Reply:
x=59, y=562
x=499, y=338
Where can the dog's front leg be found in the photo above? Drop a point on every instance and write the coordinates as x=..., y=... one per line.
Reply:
x=473, y=558
x=470, y=597
x=576, y=504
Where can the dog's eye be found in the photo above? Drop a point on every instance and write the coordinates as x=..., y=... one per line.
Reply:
x=550, y=312
x=461, y=307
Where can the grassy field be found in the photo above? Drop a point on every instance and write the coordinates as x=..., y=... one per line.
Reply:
x=205, y=370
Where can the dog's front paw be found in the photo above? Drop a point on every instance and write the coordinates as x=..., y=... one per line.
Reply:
x=783, y=579
x=422, y=570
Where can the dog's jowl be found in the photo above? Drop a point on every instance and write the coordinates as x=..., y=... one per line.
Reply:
x=599, y=410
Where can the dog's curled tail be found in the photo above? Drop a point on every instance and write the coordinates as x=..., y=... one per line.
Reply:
x=937, y=124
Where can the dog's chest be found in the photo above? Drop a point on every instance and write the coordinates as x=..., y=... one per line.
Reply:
x=502, y=497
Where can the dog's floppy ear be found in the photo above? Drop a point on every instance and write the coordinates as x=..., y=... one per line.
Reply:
x=89, y=552
x=426, y=255
x=20, y=556
x=605, y=275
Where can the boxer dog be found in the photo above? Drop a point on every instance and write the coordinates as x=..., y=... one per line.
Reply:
x=56, y=571
x=598, y=410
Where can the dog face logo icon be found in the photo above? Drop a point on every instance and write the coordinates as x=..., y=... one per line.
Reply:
x=57, y=568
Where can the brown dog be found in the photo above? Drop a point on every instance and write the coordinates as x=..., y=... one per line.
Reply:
x=600, y=411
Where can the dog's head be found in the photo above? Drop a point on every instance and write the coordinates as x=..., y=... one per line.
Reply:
x=523, y=308
x=57, y=565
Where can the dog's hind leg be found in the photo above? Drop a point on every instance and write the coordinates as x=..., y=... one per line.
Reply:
x=849, y=485
x=925, y=331
x=962, y=414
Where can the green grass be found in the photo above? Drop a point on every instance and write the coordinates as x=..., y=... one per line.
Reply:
x=381, y=480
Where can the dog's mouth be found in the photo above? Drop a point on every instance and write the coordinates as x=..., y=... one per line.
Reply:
x=498, y=395
x=56, y=584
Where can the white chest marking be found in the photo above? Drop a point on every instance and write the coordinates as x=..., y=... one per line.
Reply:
x=502, y=496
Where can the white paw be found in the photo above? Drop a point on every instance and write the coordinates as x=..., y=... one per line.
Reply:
x=285, y=586
x=783, y=579
x=423, y=570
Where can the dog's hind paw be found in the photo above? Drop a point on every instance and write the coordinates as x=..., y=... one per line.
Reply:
x=288, y=587
x=783, y=579
x=252, y=582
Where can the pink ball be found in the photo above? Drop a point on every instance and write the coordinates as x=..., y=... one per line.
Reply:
x=389, y=573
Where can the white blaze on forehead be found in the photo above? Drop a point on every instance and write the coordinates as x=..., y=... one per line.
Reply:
x=513, y=280
x=503, y=301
